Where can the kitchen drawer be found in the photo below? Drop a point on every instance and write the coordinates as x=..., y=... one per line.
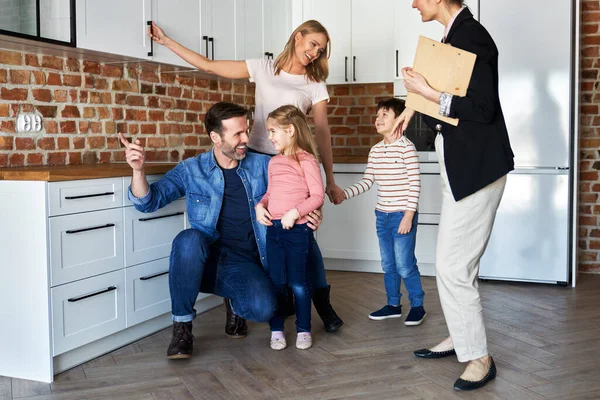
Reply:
x=71, y=197
x=149, y=235
x=430, y=199
x=147, y=291
x=87, y=310
x=127, y=182
x=84, y=245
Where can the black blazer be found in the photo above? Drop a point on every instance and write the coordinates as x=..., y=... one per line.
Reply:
x=477, y=151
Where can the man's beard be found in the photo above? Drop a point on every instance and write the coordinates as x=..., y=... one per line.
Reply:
x=230, y=152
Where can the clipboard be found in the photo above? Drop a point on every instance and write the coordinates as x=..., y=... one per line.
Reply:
x=446, y=68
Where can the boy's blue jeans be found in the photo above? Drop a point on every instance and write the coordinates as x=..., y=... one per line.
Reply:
x=287, y=252
x=398, y=258
x=195, y=265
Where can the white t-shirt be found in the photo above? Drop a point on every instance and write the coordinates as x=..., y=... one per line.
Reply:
x=273, y=91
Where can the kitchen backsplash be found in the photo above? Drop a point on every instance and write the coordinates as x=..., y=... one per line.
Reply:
x=85, y=104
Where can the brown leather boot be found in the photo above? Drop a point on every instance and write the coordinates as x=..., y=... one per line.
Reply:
x=235, y=327
x=182, y=344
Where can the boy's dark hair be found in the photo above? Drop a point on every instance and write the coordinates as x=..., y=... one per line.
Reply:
x=222, y=111
x=394, y=104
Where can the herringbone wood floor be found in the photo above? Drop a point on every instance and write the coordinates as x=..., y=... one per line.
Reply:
x=545, y=341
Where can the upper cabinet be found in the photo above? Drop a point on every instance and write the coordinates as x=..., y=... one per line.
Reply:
x=180, y=19
x=361, y=34
x=218, y=29
x=117, y=27
x=407, y=29
x=336, y=17
x=114, y=26
x=277, y=25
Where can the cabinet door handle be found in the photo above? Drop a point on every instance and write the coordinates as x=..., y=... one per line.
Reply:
x=145, y=278
x=354, y=68
x=205, y=38
x=151, y=52
x=108, y=289
x=160, y=216
x=267, y=54
x=346, y=68
x=212, y=44
x=397, y=72
x=271, y=54
x=93, y=228
x=85, y=196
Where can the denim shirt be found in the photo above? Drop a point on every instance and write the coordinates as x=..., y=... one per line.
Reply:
x=200, y=180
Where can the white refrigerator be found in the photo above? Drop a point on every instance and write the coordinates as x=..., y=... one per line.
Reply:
x=532, y=238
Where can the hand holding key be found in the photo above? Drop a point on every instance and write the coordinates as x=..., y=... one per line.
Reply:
x=134, y=153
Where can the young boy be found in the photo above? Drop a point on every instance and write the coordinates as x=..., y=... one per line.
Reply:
x=394, y=165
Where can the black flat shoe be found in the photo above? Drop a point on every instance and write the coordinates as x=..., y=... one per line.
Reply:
x=426, y=353
x=462, y=384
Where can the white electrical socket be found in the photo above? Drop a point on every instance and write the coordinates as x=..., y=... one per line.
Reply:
x=29, y=122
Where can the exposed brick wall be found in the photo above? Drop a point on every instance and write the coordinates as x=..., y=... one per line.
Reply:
x=589, y=142
x=352, y=116
x=85, y=104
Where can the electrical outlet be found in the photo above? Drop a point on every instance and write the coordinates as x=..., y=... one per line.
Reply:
x=29, y=122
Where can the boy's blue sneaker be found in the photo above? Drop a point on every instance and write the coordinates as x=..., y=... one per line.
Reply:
x=386, y=312
x=416, y=315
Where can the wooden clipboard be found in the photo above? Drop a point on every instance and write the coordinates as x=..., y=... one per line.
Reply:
x=446, y=68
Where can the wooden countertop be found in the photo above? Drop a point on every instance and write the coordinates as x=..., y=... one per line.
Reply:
x=75, y=172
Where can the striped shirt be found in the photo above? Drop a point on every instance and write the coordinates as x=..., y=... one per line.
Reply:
x=395, y=168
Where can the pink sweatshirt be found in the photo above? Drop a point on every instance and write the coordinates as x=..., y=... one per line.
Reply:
x=293, y=185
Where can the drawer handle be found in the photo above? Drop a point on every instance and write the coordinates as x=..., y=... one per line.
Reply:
x=161, y=216
x=427, y=223
x=93, y=228
x=85, y=196
x=145, y=278
x=109, y=289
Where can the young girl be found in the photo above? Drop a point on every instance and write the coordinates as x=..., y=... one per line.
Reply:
x=295, y=189
x=296, y=77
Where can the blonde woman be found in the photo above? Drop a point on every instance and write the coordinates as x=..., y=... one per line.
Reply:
x=296, y=77
x=295, y=189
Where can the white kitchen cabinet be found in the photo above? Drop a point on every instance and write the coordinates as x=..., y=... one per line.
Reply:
x=114, y=26
x=348, y=234
x=249, y=30
x=336, y=17
x=87, y=310
x=84, y=245
x=121, y=28
x=407, y=29
x=372, y=38
x=219, y=29
x=180, y=19
x=362, y=37
x=277, y=25
x=262, y=28
x=149, y=235
x=67, y=282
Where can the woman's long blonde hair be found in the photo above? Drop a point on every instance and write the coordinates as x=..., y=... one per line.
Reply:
x=287, y=115
x=316, y=71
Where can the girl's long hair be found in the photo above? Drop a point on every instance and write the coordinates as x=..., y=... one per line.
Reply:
x=288, y=115
x=316, y=71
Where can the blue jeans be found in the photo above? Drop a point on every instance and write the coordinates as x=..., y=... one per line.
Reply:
x=195, y=264
x=287, y=251
x=315, y=265
x=398, y=258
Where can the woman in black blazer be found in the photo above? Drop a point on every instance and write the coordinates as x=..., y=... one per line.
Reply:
x=474, y=158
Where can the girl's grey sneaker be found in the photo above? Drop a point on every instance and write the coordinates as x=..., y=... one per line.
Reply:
x=415, y=316
x=386, y=312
